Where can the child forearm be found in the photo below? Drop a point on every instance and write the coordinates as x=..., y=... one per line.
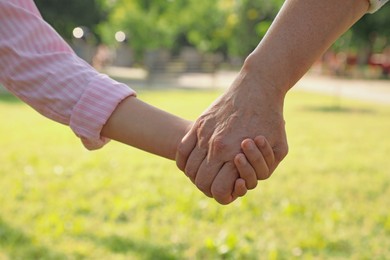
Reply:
x=145, y=127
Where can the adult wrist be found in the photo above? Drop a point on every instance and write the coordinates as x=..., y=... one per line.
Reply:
x=268, y=79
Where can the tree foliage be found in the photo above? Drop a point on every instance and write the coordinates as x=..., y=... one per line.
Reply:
x=231, y=27
x=373, y=29
x=64, y=16
x=253, y=19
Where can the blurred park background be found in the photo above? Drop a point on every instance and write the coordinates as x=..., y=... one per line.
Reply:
x=182, y=36
x=328, y=199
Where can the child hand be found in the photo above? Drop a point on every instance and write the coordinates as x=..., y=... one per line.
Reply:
x=255, y=163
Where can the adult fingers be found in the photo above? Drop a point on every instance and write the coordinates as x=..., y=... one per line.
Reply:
x=223, y=184
x=280, y=151
x=206, y=174
x=185, y=148
x=194, y=163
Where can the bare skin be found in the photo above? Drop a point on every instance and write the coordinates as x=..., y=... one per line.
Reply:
x=253, y=105
x=141, y=125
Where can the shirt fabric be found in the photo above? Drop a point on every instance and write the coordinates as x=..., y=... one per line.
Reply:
x=40, y=68
x=375, y=5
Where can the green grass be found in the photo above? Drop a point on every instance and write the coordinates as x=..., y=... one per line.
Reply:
x=329, y=199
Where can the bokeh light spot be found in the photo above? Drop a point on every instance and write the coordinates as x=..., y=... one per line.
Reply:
x=120, y=36
x=78, y=32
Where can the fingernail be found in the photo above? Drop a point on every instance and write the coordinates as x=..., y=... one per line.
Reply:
x=251, y=145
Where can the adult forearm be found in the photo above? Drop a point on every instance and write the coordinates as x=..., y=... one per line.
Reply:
x=299, y=35
x=145, y=127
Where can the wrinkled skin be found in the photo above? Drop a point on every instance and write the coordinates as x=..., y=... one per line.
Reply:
x=250, y=107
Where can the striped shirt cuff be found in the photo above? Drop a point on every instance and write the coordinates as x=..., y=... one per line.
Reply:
x=95, y=107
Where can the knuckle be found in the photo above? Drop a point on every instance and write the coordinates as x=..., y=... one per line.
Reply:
x=281, y=153
x=284, y=152
x=181, y=156
x=191, y=173
x=220, y=194
x=219, y=144
x=203, y=125
x=202, y=186
x=224, y=202
x=265, y=176
x=202, y=120
x=191, y=176
x=251, y=185
x=181, y=150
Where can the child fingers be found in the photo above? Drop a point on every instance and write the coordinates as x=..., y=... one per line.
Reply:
x=255, y=158
x=240, y=188
x=266, y=150
x=246, y=171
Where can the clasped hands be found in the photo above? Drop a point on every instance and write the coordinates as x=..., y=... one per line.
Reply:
x=237, y=141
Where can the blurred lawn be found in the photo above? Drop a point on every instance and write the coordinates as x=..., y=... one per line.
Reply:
x=329, y=198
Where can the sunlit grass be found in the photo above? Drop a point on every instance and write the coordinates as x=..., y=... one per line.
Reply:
x=328, y=199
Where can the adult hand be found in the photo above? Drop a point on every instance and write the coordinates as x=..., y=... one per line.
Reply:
x=252, y=106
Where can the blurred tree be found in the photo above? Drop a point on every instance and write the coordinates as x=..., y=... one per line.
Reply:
x=201, y=25
x=166, y=24
x=369, y=35
x=141, y=21
x=64, y=16
x=233, y=27
x=372, y=33
x=253, y=20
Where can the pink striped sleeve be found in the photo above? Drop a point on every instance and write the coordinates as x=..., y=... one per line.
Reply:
x=39, y=67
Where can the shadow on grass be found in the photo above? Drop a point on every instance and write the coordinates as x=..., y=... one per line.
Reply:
x=339, y=109
x=18, y=245
x=144, y=250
